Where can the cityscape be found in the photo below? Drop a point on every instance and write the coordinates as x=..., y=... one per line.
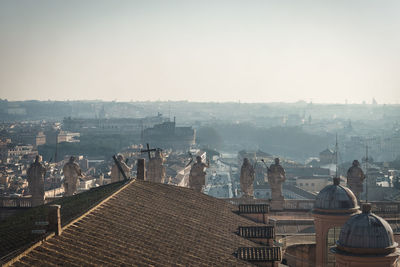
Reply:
x=185, y=134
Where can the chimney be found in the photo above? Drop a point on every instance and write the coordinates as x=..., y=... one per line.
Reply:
x=263, y=235
x=254, y=212
x=101, y=179
x=54, y=218
x=141, y=169
x=260, y=256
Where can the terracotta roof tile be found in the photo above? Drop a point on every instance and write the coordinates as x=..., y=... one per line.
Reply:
x=149, y=224
x=15, y=231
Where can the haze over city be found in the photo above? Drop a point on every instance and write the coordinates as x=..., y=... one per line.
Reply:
x=257, y=51
x=200, y=133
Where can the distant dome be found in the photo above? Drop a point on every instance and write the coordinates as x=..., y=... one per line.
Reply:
x=336, y=197
x=366, y=233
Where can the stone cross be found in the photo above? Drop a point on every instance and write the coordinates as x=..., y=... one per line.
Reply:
x=148, y=150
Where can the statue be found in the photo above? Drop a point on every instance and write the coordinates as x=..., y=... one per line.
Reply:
x=35, y=173
x=276, y=176
x=156, y=170
x=247, y=178
x=71, y=173
x=197, y=176
x=116, y=174
x=355, y=178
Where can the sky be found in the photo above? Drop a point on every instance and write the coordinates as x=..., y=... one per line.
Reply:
x=248, y=51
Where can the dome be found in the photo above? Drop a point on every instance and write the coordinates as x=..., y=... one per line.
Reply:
x=366, y=233
x=336, y=198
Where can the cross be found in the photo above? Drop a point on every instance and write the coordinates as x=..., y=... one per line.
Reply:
x=148, y=150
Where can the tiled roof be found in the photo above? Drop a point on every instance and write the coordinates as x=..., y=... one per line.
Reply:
x=149, y=224
x=15, y=231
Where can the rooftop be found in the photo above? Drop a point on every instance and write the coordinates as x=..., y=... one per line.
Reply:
x=367, y=231
x=336, y=197
x=146, y=223
x=16, y=230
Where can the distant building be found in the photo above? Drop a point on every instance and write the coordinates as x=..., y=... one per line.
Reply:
x=68, y=137
x=40, y=139
x=168, y=135
x=327, y=156
x=19, y=150
x=253, y=156
x=132, y=126
x=313, y=183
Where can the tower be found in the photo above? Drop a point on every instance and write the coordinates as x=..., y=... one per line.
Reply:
x=366, y=240
x=334, y=205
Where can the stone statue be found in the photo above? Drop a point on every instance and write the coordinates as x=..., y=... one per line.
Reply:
x=247, y=178
x=197, y=176
x=276, y=177
x=156, y=169
x=116, y=174
x=71, y=173
x=35, y=173
x=355, y=178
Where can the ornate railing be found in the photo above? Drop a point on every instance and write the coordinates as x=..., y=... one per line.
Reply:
x=299, y=204
x=379, y=207
x=386, y=207
x=54, y=192
x=26, y=202
x=238, y=201
x=15, y=202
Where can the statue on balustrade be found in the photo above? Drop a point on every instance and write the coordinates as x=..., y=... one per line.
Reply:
x=276, y=177
x=355, y=178
x=72, y=172
x=116, y=174
x=156, y=169
x=35, y=175
x=197, y=176
x=247, y=178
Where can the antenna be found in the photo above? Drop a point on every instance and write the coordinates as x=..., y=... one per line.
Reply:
x=366, y=173
x=336, y=156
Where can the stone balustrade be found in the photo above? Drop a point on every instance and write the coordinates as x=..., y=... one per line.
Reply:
x=15, y=202
x=26, y=202
x=299, y=204
x=379, y=207
x=386, y=207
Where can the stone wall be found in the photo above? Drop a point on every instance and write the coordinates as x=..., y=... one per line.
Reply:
x=302, y=255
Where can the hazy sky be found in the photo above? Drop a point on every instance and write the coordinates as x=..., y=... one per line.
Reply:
x=252, y=51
